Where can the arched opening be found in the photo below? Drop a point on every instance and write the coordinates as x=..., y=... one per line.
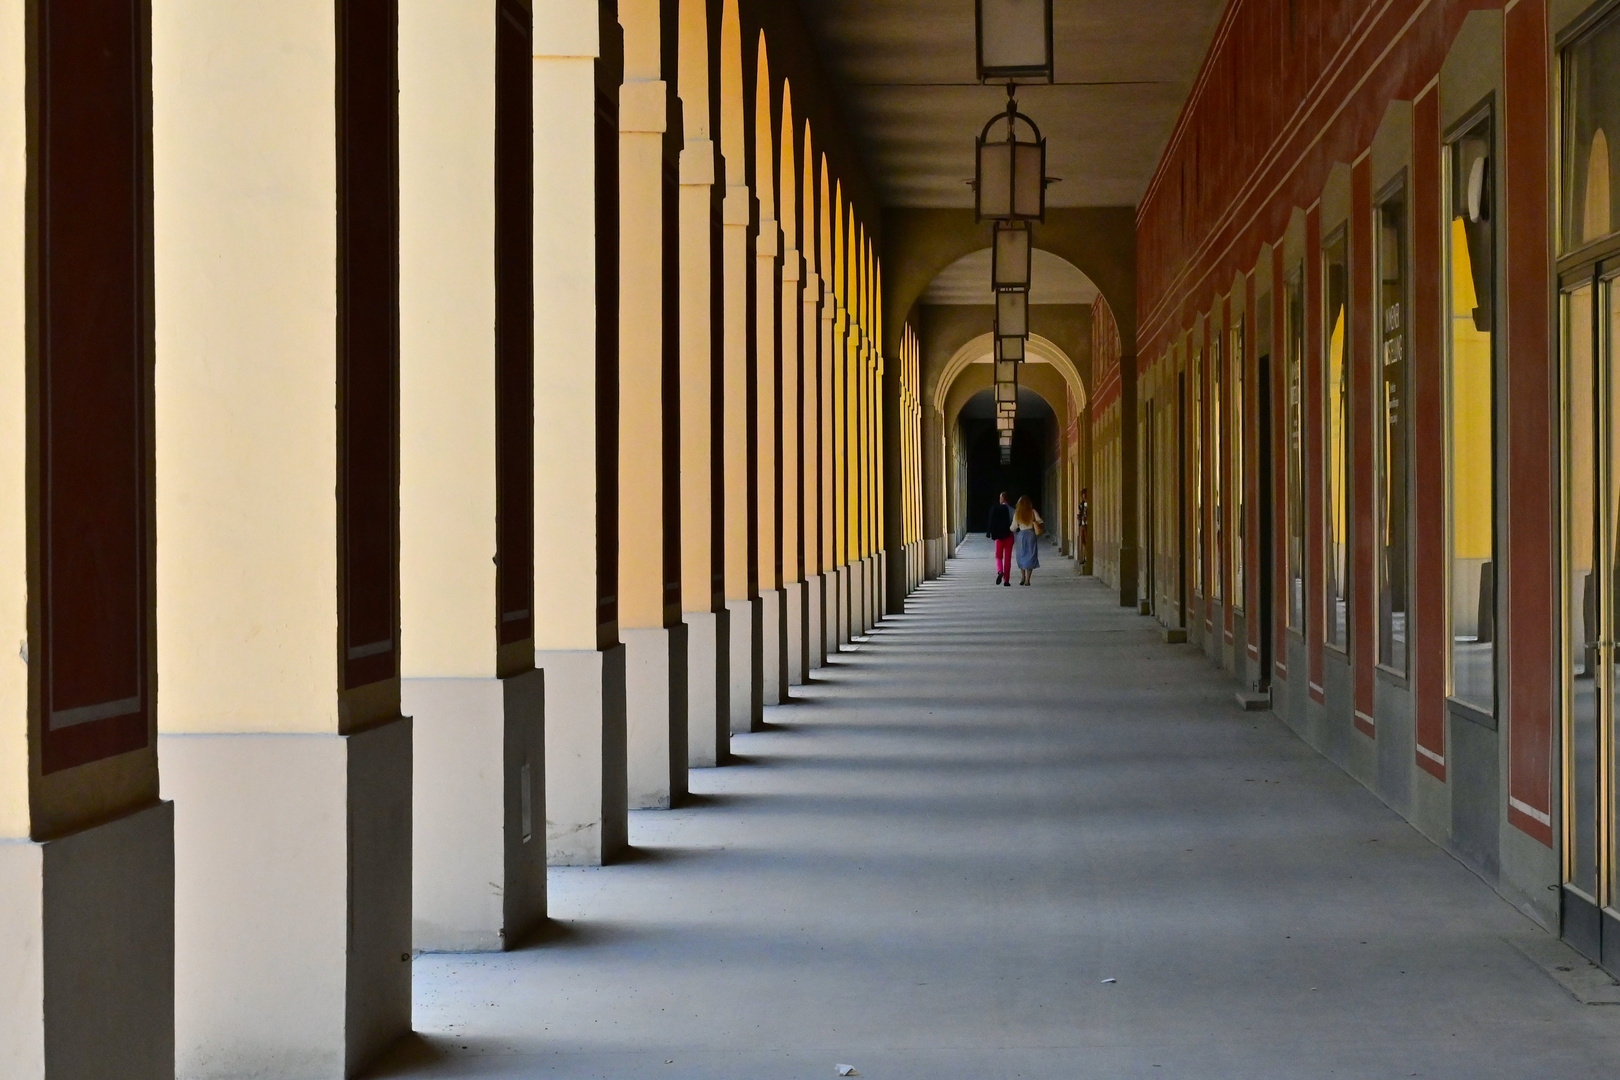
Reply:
x=1031, y=470
x=954, y=319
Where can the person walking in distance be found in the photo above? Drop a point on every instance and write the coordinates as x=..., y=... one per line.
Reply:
x=1027, y=527
x=1001, y=519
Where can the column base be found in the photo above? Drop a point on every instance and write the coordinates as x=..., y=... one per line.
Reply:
x=87, y=948
x=846, y=615
x=478, y=848
x=747, y=704
x=587, y=808
x=798, y=636
x=708, y=716
x=857, y=599
x=292, y=900
x=655, y=716
x=815, y=623
x=773, y=646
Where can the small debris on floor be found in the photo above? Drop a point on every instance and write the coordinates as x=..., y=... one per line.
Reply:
x=1106, y=981
x=846, y=1070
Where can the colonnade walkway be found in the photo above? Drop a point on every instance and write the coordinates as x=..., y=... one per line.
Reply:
x=931, y=865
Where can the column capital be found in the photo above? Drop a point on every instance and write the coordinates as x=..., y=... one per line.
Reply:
x=697, y=163
x=642, y=108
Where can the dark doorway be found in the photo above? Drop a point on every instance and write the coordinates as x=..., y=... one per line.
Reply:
x=1032, y=455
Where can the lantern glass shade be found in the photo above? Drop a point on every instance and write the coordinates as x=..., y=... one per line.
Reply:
x=1010, y=348
x=1012, y=315
x=1010, y=257
x=1006, y=371
x=1015, y=40
x=1004, y=423
x=1011, y=180
x=1006, y=392
x=1006, y=408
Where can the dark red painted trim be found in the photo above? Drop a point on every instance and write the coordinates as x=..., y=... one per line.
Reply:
x=1428, y=437
x=1532, y=394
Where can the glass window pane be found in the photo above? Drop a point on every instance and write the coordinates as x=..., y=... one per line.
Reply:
x=1391, y=493
x=1335, y=457
x=1591, y=123
x=1470, y=393
x=1610, y=447
x=1217, y=431
x=1294, y=343
x=1240, y=529
x=1198, y=469
x=1582, y=541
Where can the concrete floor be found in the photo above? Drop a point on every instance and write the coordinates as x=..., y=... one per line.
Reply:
x=928, y=867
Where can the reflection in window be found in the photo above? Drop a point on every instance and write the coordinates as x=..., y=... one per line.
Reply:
x=1294, y=344
x=1240, y=526
x=1335, y=456
x=1591, y=108
x=1391, y=433
x=1583, y=540
x=1217, y=459
x=1470, y=465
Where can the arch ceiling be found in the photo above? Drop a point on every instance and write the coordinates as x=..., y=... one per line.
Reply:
x=905, y=70
x=1053, y=280
x=1031, y=404
x=1039, y=350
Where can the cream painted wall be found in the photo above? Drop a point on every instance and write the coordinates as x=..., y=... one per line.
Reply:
x=245, y=162
x=447, y=339
x=565, y=585
x=13, y=432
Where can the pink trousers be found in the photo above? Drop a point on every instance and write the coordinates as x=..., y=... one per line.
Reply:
x=1004, y=552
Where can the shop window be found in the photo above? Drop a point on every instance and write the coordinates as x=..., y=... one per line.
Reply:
x=1217, y=460
x=1394, y=559
x=1198, y=469
x=1591, y=110
x=1336, y=432
x=1470, y=393
x=1294, y=344
x=1240, y=525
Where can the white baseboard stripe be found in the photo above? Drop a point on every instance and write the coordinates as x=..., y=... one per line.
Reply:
x=1431, y=755
x=1529, y=811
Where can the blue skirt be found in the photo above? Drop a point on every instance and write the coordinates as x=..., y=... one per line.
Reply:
x=1026, y=549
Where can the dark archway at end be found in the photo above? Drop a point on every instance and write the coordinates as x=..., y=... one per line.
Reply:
x=1034, y=454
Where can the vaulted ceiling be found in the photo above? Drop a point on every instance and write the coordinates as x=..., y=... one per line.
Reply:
x=905, y=70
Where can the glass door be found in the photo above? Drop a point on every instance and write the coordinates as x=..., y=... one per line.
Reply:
x=1591, y=560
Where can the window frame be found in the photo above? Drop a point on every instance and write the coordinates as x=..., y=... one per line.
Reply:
x=1293, y=386
x=1486, y=111
x=1237, y=532
x=1340, y=232
x=1400, y=185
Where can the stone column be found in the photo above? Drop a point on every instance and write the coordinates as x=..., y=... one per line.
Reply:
x=86, y=848
x=768, y=489
x=833, y=606
x=466, y=465
x=795, y=604
x=283, y=746
x=649, y=369
x=815, y=639
x=703, y=607
x=578, y=70
x=742, y=599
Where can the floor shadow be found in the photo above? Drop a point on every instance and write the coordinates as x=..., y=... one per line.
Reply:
x=571, y=934
x=410, y=1055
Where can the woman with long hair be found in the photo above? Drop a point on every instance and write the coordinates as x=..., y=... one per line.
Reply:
x=1027, y=527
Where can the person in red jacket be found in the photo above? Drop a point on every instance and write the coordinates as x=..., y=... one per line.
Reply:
x=1001, y=518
